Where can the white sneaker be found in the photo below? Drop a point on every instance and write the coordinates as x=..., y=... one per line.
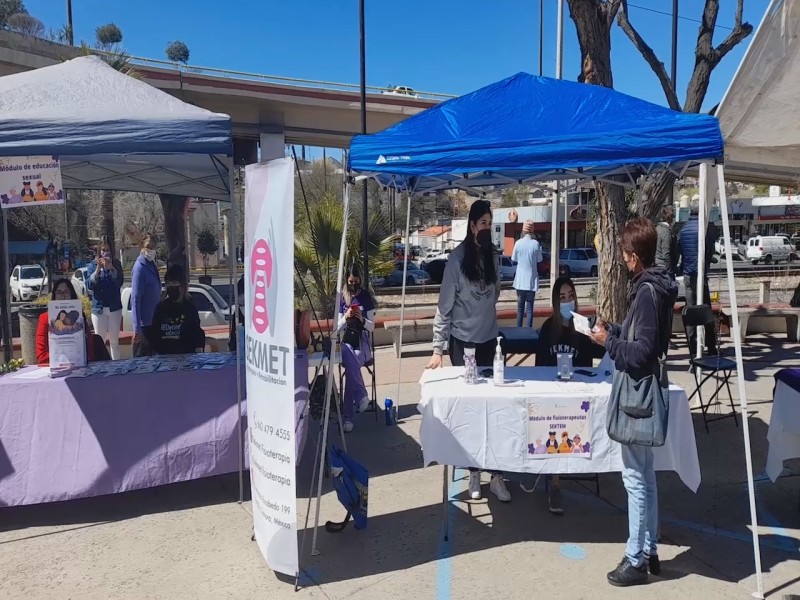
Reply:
x=348, y=426
x=475, y=485
x=498, y=487
x=363, y=405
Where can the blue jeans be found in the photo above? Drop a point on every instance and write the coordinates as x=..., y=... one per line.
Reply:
x=525, y=300
x=639, y=477
x=354, y=389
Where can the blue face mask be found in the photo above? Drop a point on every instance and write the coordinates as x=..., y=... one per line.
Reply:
x=566, y=310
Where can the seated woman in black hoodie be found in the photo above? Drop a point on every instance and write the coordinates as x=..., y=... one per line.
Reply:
x=176, y=323
x=558, y=336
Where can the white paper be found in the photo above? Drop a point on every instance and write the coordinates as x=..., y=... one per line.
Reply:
x=581, y=324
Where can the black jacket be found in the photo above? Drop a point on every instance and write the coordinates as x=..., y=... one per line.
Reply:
x=176, y=328
x=582, y=348
x=651, y=316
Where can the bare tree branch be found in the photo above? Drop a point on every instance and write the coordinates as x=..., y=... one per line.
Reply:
x=612, y=7
x=740, y=31
x=649, y=55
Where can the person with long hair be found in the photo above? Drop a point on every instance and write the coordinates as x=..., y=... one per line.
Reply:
x=558, y=336
x=62, y=290
x=466, y=316
x=145, y=296
x=356, y=322
x=104, y=278
x=649, y=320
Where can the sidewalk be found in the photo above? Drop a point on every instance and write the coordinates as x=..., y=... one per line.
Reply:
x=192, y=541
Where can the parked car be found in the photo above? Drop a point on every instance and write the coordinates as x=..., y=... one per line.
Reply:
x=414, y=275
x=719, y=245
x=211, y=307
x=578, y=261
x=544, y=265
x=27, y=282
x=376, y=281
x=435, y=268
x=508, y=269
x=79, y=282
x=400, y=90
x=769, y=249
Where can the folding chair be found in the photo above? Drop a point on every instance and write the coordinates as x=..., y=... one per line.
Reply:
x=716, y=367
x=370, y=368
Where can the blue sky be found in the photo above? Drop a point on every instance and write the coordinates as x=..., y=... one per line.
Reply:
x=450, y=46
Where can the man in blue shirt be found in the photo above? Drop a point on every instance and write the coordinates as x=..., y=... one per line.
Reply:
x=527, y=254
x=689, y=251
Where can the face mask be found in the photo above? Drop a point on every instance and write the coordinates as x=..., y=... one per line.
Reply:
x=150, y=255
x=566, y=310
x=173, y=293
x=353, y=288
x=484, y=239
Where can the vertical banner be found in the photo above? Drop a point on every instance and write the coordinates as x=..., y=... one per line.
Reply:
x=30, y=181
x=66, y=328
x=269, y=302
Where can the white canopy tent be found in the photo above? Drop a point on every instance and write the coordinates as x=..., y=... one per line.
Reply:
x=115, y=132
x=762, y=144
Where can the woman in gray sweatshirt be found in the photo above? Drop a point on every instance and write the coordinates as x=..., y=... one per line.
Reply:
x=466, y=316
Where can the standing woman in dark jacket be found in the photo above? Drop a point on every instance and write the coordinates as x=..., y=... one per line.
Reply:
x=104, y=278
x=653, y=294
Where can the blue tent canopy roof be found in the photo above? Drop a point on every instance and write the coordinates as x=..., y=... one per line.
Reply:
x=527, y=128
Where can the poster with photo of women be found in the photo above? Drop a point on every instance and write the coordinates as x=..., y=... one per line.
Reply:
x=66, y=335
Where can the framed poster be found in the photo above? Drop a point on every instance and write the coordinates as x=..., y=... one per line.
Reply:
x=66, y=327
x=559, y=428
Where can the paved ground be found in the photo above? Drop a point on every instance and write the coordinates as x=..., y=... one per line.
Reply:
x=192, y=541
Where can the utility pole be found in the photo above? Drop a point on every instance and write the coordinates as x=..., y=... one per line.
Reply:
x=674, y=73
x=541, y=34
x=70, y=32
x=364, y=216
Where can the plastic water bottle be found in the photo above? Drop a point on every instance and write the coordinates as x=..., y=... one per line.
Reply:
x=388, y=413
x=499, y=367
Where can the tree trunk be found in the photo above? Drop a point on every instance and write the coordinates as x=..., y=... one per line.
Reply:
x=655, y=192
x=107, y=211
x=593, y=20
x=174, y=208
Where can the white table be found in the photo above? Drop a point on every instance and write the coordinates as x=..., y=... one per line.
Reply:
x=485, y=427
x=784, y=429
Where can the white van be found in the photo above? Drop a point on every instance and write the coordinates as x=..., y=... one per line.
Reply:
x=769, y=249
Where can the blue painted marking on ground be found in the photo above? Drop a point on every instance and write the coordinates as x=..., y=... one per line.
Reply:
x=572, y=551
x=444, y=562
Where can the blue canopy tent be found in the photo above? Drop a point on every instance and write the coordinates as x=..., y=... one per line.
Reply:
x=525, y=129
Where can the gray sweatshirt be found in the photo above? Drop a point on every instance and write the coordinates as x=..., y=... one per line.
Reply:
x=466, y=310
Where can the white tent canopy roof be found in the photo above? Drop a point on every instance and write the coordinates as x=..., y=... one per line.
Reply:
x=758, y=114
x=114, y=132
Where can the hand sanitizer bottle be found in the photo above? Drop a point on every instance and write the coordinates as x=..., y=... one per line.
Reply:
x=499, y=366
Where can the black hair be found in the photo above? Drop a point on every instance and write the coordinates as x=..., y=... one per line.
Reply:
x=351, y=271
x=64, y=280
x=175, y=273
x=558, y=321
x=478, y=264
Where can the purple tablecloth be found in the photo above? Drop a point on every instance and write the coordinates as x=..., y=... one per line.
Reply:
x=790, y=377
x=77, y=437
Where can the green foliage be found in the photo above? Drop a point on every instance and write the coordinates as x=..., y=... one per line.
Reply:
x=25, y=24
x=10, y=7
x=177, y=52
x=316, y=252
x=108, y=35
x=207, y=243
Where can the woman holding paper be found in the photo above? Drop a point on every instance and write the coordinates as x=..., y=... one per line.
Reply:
x=62, y=290
x=558, y=336
x=467, y=315
x=636, y=347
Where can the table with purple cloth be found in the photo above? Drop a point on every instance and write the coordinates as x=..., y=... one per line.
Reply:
x=73, y=437
x=783, y=434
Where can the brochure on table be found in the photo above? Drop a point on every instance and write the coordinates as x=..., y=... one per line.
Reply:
x=559, y=428
x=66, y=336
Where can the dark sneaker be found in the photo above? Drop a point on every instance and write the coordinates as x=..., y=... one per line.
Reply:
x=653, y=564
x=626, y=574
x=554, y=503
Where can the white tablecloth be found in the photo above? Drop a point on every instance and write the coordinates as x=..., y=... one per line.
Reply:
x=784, y=429
x=484, y=426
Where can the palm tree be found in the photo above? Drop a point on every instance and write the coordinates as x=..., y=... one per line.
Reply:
x=316, y=253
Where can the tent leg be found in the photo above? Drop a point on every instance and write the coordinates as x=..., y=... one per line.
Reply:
x=235, y=295
x=403, y=304
x=737, y=343
x=331, y=373
x=8, y=350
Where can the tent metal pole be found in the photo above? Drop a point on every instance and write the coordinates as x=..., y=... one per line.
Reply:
x=554, y=235
x=235, y=295
x=737, y=344
x=364, y=196
x=403, y=301
x=702, y=216
x=8, y=350
x=331, y=373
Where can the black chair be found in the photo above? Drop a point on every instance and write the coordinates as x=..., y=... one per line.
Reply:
x=707, y=367
x=370, y=368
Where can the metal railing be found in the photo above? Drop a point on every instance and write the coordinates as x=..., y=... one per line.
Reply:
x=279, y=80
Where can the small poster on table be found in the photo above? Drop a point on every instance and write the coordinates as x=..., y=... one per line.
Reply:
x=30, y=181
x=559, y=428
x=66, y=336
